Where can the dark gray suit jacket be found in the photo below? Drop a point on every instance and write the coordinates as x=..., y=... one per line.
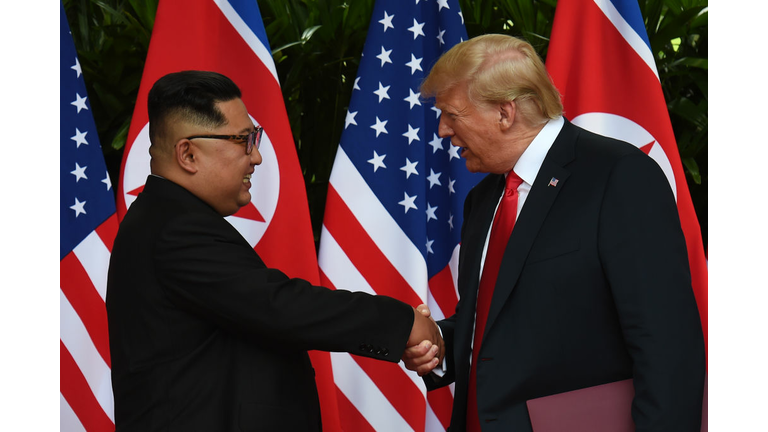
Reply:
x=594, y=287
x=205, y=337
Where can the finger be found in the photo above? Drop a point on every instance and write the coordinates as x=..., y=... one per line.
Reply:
x=422, y=363
x=427, y=358
x=427, y=368
x=417, y=351
x=423, y=309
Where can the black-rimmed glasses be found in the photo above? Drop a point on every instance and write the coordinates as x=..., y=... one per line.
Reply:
x=251, y=140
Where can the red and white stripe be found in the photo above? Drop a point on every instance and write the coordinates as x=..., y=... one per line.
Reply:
x=362, y=248
x=86, y=389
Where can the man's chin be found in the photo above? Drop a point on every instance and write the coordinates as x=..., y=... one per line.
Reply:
x=472, y=167
x=244, y=200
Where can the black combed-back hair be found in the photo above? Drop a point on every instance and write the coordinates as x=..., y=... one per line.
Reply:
x=190, y=96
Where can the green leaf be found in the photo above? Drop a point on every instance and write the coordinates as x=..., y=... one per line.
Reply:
x=307, y=34
x=700, y=63
x=692, y=168
x=122, y=135
x=676, y=26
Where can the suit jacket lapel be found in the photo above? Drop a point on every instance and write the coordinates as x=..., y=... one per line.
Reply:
x=537, y=205
x=477, y=226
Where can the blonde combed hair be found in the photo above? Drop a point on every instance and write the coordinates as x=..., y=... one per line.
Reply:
x=497, y=68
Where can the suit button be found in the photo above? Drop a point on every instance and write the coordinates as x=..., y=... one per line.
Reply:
x=385, y=352
x=362, y=347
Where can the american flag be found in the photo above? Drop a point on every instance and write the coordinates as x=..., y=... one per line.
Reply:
x=394, y=209
x=88, y=228
x=600, y=59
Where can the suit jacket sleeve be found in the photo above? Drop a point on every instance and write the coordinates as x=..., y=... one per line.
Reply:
x=206, y=267
x=643, y=252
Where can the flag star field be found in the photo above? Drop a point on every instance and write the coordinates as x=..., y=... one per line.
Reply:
x=390, y=131
x=86, y=198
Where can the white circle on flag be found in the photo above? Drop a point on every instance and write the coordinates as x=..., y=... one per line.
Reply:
x=265, y=184
x=624, y=129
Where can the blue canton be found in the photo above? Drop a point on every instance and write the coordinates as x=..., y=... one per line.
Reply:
x=391, y=132
x=86, y=198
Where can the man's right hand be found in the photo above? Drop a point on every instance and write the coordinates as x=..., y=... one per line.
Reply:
x=425, y=349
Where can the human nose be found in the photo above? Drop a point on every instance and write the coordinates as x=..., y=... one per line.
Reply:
x=256, y=158
x=443, y=129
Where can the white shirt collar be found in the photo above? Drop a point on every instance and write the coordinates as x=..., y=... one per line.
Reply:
x=530, y=161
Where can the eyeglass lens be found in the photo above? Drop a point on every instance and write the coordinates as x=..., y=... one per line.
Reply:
x=254, y=140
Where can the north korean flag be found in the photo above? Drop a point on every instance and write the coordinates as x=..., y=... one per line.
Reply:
x=229, y=37
x=600, y=59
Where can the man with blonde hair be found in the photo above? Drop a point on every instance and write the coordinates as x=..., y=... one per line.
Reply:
x=573, y=269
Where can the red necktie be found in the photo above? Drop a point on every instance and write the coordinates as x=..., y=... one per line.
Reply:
x=502, y=228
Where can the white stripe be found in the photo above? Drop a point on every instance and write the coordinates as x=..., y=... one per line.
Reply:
x=365, y=396
x=432, y=423
x=434, y=309
x=630, y=35
x=78, y=342
x=454, y=266
x=68, y=421
x=94, y=257
x=336, y=265
x=378, y=223
x=415, y=378
x=248, y=36
x=660, y=156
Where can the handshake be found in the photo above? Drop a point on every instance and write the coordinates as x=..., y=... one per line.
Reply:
x=425, y=348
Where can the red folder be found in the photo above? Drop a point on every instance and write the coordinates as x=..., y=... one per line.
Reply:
x=603, y=408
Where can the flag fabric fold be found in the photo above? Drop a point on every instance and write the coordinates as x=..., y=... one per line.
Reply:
x=88, y=224
x=394, y=207
x=229, y=37
x=601, y=61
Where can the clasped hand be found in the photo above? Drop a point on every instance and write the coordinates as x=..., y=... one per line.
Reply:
x=425, y=349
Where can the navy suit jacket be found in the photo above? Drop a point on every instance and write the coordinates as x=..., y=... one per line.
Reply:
x=205, y=337
x=594, y=287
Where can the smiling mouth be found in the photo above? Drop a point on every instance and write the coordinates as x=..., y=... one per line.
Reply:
x=247, y=178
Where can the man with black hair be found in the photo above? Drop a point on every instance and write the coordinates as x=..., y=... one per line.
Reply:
x=203, y=335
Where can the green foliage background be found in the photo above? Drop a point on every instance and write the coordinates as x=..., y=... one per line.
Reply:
x=317, y=45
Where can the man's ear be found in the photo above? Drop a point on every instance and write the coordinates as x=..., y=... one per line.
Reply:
x=507, y=112
x=186, y=155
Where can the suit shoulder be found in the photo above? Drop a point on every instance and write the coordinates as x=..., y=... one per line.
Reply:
x=596, y=151
x=590, y=142
x=161, y=204
x=488, y=182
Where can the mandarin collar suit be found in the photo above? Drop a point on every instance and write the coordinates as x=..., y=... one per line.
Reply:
x=595, y=265
x=205, y=337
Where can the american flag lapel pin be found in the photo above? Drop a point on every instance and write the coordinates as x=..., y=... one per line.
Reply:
x=553, y=182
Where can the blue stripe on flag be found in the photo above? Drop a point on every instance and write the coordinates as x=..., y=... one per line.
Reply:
x=630, y=11
x=250, y=13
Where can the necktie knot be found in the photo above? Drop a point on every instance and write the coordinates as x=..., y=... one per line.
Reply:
x=513, y=182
